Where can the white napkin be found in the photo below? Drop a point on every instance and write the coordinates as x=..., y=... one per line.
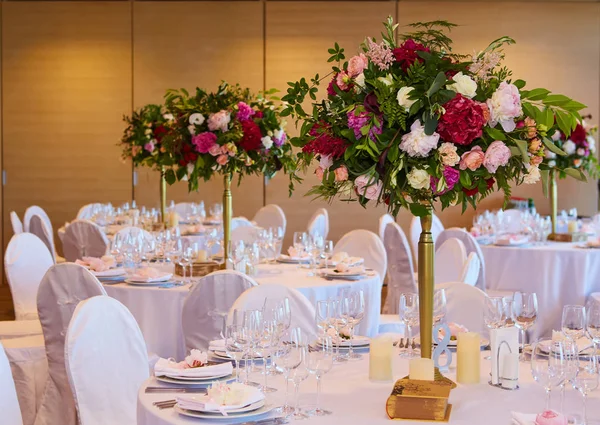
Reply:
x=523, y=418
x=239, y=396
x=217, y=345
x=149, y=274
x=169, y=367
x=548, y=417
x=294, y=255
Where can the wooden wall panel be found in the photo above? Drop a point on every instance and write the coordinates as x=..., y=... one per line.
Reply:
x=206, y=42
x=298, y=36
x=560, y=52
x=67, y=83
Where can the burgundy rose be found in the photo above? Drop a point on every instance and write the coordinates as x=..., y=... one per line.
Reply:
x=462, y=122
x=159, y=132
x=371, y=104
x=578, y=135
x=252, y=135
x=475, y=189
x=406, y=54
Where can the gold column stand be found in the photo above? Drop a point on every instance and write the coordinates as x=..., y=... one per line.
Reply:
x=163, y=199
x=426, y=283
x=227, y=207
x=555, y=236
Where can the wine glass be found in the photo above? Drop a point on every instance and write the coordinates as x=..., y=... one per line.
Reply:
x=253, y=323
x=315, y=250
x=573, y=321
x=353, y=312
x=300, y=241
x=493, y=312
x=322, y=316
x=592, y=322
x=439, y=305
x=508, y=316
x=296, y=364
x=236, y=342
x=586, y=378
x=571, y=355
x=266, y=338
x=327, y=251
x=548, y=365
x=525, y=313
x=319, y=362
x=409, y=314
x=338, y=322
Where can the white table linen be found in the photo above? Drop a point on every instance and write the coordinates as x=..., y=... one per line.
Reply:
x=354, y=400
x=559, y=273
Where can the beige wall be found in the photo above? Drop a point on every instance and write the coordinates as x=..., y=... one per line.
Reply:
x=70, y=70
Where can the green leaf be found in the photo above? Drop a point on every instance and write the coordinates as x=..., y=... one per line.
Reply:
x=520, y=84
x=431, y=122
x=548, y=117
x=170, y=176
x=495, y=133
x=437, y=84
x=545, y=176
x=537, y=94
x=418, y=210
x=556, y=100
x=574, y=106
x=576, y=174
x=465, y=179
x=522, y=145
x=564, y=122
x=530, y=110
x=552, y=147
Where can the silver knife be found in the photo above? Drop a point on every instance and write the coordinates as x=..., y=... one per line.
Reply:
x=174, y=390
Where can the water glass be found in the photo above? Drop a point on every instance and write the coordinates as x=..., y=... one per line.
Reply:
x=586, y=378
x=592, y=322
x=525, y=313
x=236, y=344
x=320, y=361
x=439, y=305
x=409, y=314
x=573, y=321
x=353, y=312
x=548, y=365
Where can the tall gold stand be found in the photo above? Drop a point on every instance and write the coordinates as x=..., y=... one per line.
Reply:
x=553, y=203
x=227, y=208
x=426, y=284
x=163, y=195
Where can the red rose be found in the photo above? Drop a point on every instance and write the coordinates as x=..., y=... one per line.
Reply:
x=159, y=133
x=252, y=135
x=578, y=135
x=258, y=114
x=182, y=162
x=475, y=190
x=187, y=148
x=406, y=54
x=462, y=122
x=490, y=182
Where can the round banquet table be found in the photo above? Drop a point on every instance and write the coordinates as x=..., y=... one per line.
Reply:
x=158, y=310
x=354, y=400
x=559, y=273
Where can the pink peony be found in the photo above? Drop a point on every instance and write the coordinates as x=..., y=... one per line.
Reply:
x=222, y=159
x=204, y=141
x=219, y=121
x=417, y=143
x=496, y=155
x=244, y=111
x=149, y=146
x=550, y=417
x=357, y=64
x=319, y=173
x=341, y=173
x=367, y=186
x=472, y=159
x=505, y=106
x=215, y=150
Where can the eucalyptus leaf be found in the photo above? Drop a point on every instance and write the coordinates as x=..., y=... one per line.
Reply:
x=552, y=147
x=575, y=173
x=437, y=84
x=431, y=122
x=522, y=145
x=418, y=210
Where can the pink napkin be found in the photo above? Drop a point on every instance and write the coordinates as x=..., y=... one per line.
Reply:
x=95, y=264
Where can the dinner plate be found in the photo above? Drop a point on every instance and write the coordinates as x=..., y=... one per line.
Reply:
x=244, y=409
x=335, y=273
x=508, y=242
x=158, y=279
x=217, y=416
x=357, y=341
x=286, y=259
x=192, y=378
x=170, y=380
x=110, y=273
x=135, y=283
x=223, y=355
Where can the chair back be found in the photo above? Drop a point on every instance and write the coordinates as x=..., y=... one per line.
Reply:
x=206, y=306
x=16, y=223
x=465, y=305
x=87, y=211
x=471, y=270
x=471, y=246
x=450, y=260
x=365, y=244
x=319, y=223
x=237, y=222
x=84, y=239
x=136, y=232
x=38, y=227
x=270, y=216
x=401, y=278
x=9, y=404
x=106, y=362
x=384, y=220
x=26, y=261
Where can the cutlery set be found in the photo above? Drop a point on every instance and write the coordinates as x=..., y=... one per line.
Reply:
x=400, y=344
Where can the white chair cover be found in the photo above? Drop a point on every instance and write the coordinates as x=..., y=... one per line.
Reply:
x=465, y=305
x=84, y=239
x=450, y=260
x=237, y=222
x=248, y=234
x=26, y=260
x=9, y=404
x=270, y=216
x=38, y=227
x=365, y=244
x=514, y=225
x=401, y=278
x=205, y=307
x=319, y=223
x=10, y=329
x=184, y=209
x=269, y=295
x=471, y=270
x=106, y=362
x=62, y=288
x=471, y=245
x=415, y=233
x=15, y=221
x=136, y=232
x=32, y=211
x=384, y=220
x=87, y=211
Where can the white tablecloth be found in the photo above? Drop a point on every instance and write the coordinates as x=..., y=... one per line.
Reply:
x=354, y=400
x=158, y=310
x=559, y=273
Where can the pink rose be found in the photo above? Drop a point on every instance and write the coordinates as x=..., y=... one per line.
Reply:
x=319, y=173
x=341, y=173
x=496, y=155
x=505, y=106
x=219, y=121
x=357, y=64
x=204, y=141
x=149, y=146
x=222, y=159
x=472, y=159
x=215, y=150
x=550, y=417
x=367, y=186
x=342, y=80
x=536, y=160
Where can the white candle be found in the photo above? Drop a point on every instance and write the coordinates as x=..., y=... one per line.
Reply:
x=380, y=359
x=510, y=371
x=421, y=369
x=468, y=358
x=202, y=256
x=572, y=226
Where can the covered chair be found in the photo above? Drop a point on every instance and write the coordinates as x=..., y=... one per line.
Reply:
x=185, y=209
x=319, y=223
x=401, y=278
x=87, y=211
x=471, y=245
x=465, y=305
x=33, y=211
x=62, y=288
x=237, y=222
x=415, y=233
x=365, y=244
x=206, y=306
x=450, y=260
x=16, y=223
x=471, y=270
x=106, y=362
x=384, y=220
x=9, y=404
x=248, y=234
x=39, y=227
x=270, y=216
x=136, y=232
x=84, y=239
x=269, y=295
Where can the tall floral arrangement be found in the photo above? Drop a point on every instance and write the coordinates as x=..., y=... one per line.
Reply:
x=229, y=132
x=142, y=140
x=408, y=121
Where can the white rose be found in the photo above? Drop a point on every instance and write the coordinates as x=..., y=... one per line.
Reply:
x=192, y=129
x=148, y=131
x=388, y=80
x=581, y=152
x=168, y=117
x=419, y=179
x=533, y=176
x=552, y=163
x=464, y=85
x=267, y=142
x=359, y=80
x=196, y=119
x=403, y=99
x=591, y=143
x=569, y=147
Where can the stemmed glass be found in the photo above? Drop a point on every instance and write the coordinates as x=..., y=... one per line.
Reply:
x=409, y=314
x=592, y=322
x=548, y=365
x=267, y=337
x=586, y=378
x=320, y=361
x=300, y=242
x=353, y=312
x=185, y=261
x=253, y=324
x=570, y=369
x=338, y=322
x=327, y=252
x=322, y=317
x=236, y=342
x=439, y=305
x=315, y=247
x=296, y=366
x=493, y=312
x=573, y=321
x=525, y=313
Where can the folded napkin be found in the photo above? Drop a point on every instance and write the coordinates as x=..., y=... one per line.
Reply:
x=548, y=417
x=512, y=239
x=148, y=274
x=340, y=257
x=295, y=255
x=345, y=268
x=195, y=228
x=222, y=398
x=593, y=243
x=97, y=264
x=172, y=368
x=217, y=345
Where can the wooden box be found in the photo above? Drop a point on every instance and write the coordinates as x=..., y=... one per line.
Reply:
x=568, y=237
x=419, y=400
x=198, y=269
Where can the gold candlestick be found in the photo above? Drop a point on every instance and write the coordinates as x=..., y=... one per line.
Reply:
x=163, y=195
x=426, y=283
x=553, y=202
x=226, y=218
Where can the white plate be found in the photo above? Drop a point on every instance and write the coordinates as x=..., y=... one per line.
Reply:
x=358, y=341
x=223, y=355
x=110, y=273
x=334, y=273
x=511, y=242
x=194, y=378
x=249, y=408
x=286, y=259
x=135, y=283
x=197, y=382
x=219, y=417
x=158, y=279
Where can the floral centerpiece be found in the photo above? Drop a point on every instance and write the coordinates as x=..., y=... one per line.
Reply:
x=228, y=132
x=407, y=121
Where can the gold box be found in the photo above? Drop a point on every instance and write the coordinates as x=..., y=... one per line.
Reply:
x=419, y=400
x=198, y=269
x=568, y=237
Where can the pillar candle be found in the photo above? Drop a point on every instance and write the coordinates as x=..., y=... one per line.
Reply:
x=202, y=256
x=509, y=377
x=421, y=369
x=572, y=226
x=380, y=359
x=468, y=358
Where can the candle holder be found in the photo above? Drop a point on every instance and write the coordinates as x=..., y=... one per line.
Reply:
x=502, y=378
